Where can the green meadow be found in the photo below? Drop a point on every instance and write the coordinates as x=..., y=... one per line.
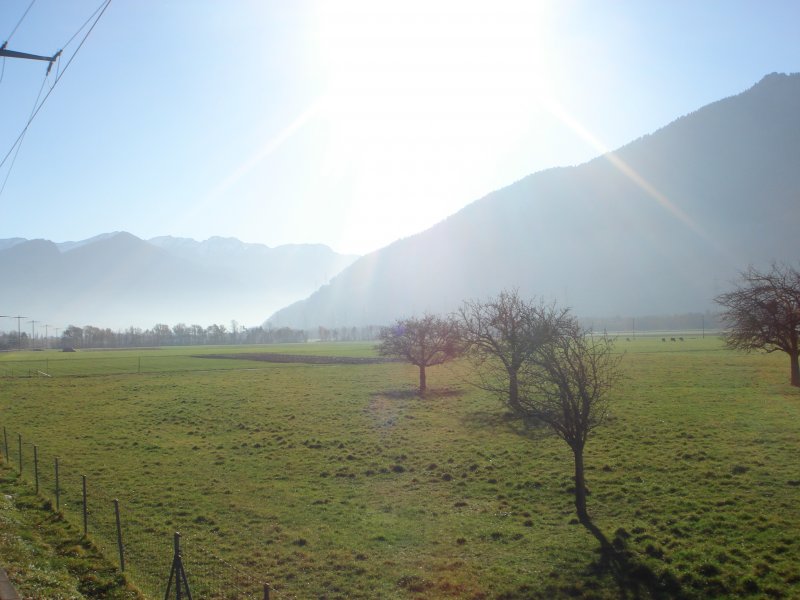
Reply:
x=336, y=481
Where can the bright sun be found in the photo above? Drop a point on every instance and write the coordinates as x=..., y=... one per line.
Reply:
x=423, y=88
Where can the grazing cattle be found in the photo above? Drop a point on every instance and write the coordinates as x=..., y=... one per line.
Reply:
x=671, y=339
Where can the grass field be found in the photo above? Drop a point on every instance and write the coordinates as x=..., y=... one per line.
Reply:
x=119, y=362
x=335, y=481
x=45, y=556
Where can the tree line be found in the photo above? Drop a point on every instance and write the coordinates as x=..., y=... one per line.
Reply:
x=160, y=334
x=178, y=335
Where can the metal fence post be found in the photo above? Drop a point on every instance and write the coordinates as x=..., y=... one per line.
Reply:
x=19, y=438
x=266, y=591
x=36, y=467
x=179, y=573
x=5, y=444
x=85, y=511
x=119, y=537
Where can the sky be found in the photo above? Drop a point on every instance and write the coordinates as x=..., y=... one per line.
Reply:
x=350, y=123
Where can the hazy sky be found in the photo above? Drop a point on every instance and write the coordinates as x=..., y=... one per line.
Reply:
x=345, y=122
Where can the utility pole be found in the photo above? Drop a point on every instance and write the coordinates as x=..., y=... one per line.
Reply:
x=45, y=335
x=6, y=316
x=19, y=330
x=33, y=332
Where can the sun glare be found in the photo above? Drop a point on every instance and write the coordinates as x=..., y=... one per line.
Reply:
x=420, y=91
x=558, y=110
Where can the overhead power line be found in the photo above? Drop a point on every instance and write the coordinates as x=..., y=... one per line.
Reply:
x=19, y=145
x=10, y=35
x=21, y=19
x=93, y=19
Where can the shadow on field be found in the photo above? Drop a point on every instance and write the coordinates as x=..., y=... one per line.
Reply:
x=430, y=394
x=634, y=579
x=506, y=420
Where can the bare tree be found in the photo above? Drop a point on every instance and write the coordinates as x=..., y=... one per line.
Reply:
x=502, y=335
x=764, y=313
x=423, y=342
x=569, y=380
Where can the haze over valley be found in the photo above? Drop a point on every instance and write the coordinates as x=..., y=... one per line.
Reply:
x=453, y=149
x=408, y=300
x=117, y=280
x=658, y=227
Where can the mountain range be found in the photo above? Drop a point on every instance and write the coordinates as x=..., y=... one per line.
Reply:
x=118, y=280
x=659, y=226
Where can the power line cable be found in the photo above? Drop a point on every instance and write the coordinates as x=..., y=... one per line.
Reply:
x=10, y=35
x=98, y=13
x=102, y=6
x=21, y=19
x=19, y=145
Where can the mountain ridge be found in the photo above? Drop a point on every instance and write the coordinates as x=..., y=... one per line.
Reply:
x=117, y=279
x=658, y=226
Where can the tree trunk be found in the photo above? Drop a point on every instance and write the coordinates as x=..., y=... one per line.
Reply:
x=793, y=357
x=513, y=391
x=422, y=382
x=580, y=487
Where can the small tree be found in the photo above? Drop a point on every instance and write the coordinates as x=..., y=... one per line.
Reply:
x=502, y=336
x=764, y=314
x=569, y=381
x=423, y=342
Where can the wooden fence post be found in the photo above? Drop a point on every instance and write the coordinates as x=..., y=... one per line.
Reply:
x=85, y=510
x=58, y=490
x=36, y=467
x=119, y=537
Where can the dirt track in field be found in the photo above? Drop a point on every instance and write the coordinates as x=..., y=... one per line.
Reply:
x=301, y=358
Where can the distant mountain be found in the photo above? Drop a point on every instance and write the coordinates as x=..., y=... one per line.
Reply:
x=10, y=242
x=66, y=246
x=659, y=226
x=117, y=280
x=293, y=265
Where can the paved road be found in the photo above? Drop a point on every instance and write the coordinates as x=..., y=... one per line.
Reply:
x=7, y=591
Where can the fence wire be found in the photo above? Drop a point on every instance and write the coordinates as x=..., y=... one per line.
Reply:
x=147, y=545
x=115, y=365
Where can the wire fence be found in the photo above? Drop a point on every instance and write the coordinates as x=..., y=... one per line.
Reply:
x=145, y=550
x=117, y=365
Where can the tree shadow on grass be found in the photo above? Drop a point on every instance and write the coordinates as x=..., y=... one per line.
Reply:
x=633, y=578
x=617, y=567
x=505, y=420
x=430, y=394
